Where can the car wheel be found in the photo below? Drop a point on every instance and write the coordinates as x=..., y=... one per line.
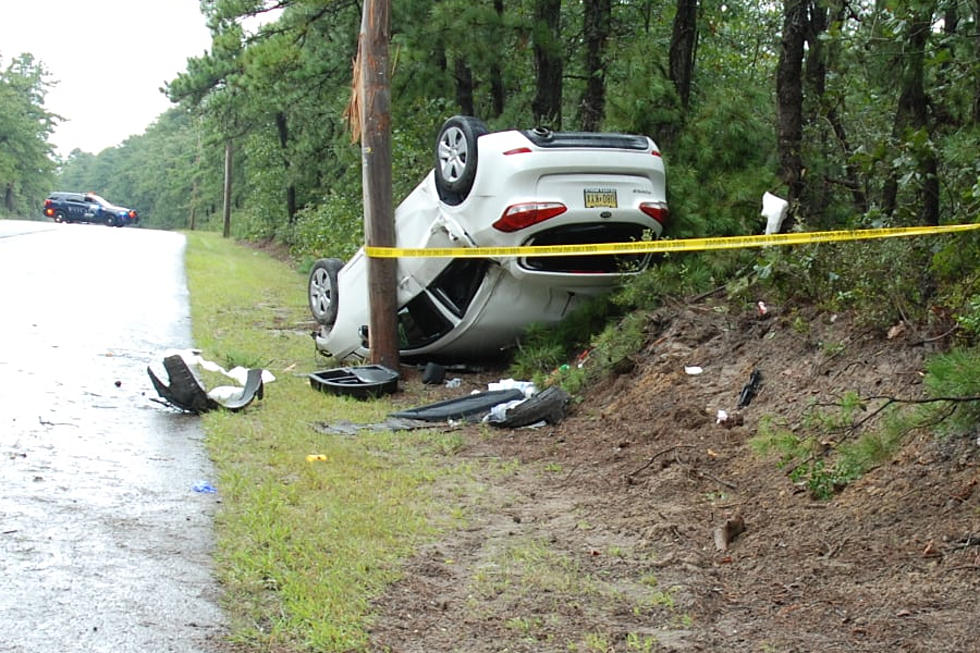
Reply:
x=110, y=221
x=323, y=290
x=59, y=216
x=456, y=157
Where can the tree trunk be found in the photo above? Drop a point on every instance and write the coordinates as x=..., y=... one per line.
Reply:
x=789, y=97
x=913, y=114
x=464, y=87
x=683, y=43
x=859, y=197
x=596, y=19
x=818, y=57
x=283, y=130
x=546, y=105
x=226, y=208
x=496, y=76
x=976, y=75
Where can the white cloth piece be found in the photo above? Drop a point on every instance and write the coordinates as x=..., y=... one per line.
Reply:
x=774, y=211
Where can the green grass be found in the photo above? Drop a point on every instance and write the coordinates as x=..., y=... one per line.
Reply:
x=302, y=547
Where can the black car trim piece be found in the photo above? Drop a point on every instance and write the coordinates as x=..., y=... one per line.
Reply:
x=186, y=392
x=549, y=139
x=363, y=382
x=469, y=407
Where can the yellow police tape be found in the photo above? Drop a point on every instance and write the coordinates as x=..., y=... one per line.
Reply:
x=660, y=246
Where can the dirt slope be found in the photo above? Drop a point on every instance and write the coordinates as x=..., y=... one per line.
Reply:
x=604, y=539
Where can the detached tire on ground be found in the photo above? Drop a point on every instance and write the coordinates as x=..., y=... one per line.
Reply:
x=323, y=290
x=456, y=157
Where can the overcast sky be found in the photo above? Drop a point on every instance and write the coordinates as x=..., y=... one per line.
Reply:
x=108, y=57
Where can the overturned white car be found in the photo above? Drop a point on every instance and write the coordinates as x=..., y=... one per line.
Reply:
x=500, y=189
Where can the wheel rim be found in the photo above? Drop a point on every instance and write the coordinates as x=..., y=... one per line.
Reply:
x=320, y=293
x=453, y=154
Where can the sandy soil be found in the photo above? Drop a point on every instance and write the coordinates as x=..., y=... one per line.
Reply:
x=604, y=538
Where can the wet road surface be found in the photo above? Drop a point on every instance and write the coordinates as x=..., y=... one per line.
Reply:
x=104, y=544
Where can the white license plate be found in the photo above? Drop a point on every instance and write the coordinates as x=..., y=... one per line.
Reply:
x=600, y=198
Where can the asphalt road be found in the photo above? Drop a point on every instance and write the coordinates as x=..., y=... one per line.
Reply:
x=104, y=543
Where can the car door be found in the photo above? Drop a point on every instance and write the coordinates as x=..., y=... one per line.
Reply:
x=77, y=208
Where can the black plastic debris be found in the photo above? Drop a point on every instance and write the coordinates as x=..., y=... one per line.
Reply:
x=433, y=374
x=548, y=406
x=471, y=407
x=186, y=392
x=750, y=389
x=347, y=427
x=363, y=382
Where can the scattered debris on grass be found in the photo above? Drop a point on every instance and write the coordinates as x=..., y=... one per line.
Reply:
x=186, y=392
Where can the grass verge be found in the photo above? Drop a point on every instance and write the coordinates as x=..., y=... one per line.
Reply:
x=301, y=547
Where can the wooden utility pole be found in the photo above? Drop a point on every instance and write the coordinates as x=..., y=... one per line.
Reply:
x=379, y=217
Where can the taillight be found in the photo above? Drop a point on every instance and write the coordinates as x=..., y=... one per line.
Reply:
x=47, y=203
x=656, y=210
x=656, y=153
x=132, y=214
x=518, y=150
x=521, y=216
x=49, y=212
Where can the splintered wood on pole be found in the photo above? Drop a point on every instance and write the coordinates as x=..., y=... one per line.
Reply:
x=379, y=219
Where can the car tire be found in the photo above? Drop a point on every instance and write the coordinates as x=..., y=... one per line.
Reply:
x=59, y=216
x=323, y=290
x=110, y=221
x=456, y=157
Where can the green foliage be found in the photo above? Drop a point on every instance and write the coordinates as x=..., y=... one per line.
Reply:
x=617, y=343
x=544, y=349
x=641, y=99
x=333, y=229
x=882, y=282
x=819, y=458
x=956, y=374
x=545, y=356
x=26, y=167
x=721, y=166
x=969, y=319
x=822, y=453
x=678, y=275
